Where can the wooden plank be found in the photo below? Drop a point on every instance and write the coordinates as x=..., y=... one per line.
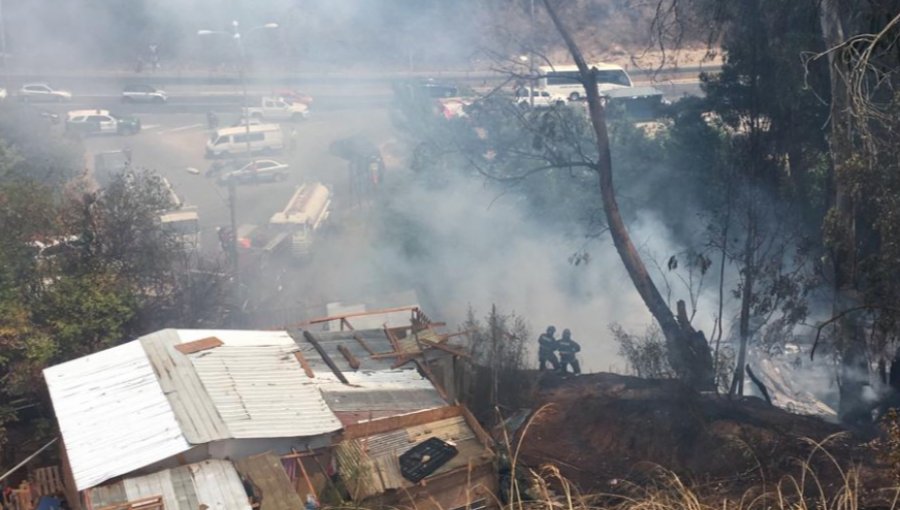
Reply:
x=345, y=322
x=351, y=359
x=380, y=426
x=325, y=357
x=199, y=345
x=363, y=343
x=473, y=424
x=305, y=364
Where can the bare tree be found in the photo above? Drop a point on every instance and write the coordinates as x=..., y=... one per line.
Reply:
x=688, y=350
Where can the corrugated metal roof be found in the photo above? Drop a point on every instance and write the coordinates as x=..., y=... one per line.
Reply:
x=375, y=339
x=112, y=413
x=388, y=390
x=214, y=483
x=196, y=414
x=262, y=391
x=238, y=337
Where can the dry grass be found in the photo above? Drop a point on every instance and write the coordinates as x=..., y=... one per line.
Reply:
x=843, y=488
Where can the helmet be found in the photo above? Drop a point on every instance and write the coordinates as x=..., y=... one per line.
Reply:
x=551, y=330
x=567, y=333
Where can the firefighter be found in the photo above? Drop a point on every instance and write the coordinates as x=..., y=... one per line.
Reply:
x=567, y=349
x=212, y=120
x=546, y=345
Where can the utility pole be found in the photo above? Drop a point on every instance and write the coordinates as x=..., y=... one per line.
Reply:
x=235, y=34
x=3, y=49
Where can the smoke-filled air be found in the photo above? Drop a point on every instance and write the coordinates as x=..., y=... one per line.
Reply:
x=435, y=255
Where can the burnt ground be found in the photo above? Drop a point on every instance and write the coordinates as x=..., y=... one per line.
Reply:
x=600, y=429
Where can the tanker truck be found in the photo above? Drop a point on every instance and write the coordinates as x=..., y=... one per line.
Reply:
x=303, y=217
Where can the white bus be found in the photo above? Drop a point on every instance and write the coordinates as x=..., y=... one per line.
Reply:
x=565, y=80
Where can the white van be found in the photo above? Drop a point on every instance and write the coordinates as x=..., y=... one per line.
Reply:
x=233, y=141
x=565, y=80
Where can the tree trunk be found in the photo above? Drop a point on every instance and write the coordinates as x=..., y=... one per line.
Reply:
x=841, y=221
x=749, y=273
x=689, y=353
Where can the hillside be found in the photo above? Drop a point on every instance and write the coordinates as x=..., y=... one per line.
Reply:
x=600, y=429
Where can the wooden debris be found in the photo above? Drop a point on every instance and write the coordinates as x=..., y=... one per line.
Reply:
x=199, y=345
x=351, y=359
x=305, y=364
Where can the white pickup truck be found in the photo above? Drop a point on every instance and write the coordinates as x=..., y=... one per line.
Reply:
x=276, y=108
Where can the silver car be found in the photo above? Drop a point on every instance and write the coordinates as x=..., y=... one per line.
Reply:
x=261, y=170
x=33, y=92
x=140, y=93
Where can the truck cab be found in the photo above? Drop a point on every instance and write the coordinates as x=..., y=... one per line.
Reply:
x=276, y=108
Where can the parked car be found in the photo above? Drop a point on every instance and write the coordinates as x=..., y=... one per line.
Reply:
x=98, y=122
x=33, y=92
x=141, y=93
x=438, y=90
x=261, y=170
x=223, y=166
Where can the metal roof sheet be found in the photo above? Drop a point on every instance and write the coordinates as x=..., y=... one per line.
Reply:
x=375, y=339
x=112, y=413
x=214, y=483
x=383, y=390
x=262, y=391
x=197, y=416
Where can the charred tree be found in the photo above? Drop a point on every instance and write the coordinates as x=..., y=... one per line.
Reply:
x=689, y=353
x=840, y=223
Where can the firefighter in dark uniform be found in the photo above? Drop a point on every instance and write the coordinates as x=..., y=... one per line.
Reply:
x=546, y=346
x=567, y=349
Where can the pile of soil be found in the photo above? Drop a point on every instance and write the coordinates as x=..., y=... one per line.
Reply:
x=600, y=429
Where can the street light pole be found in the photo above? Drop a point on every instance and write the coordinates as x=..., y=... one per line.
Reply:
x=232, y=191
x=531, y=55
x=3, y=49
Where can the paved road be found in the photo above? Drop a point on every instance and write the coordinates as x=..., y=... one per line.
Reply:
x=194, y=98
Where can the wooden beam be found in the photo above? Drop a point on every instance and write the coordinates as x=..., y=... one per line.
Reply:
x=360, y=314
x=382, y=425
x=351, y=359
x=305, y=364
x=309, y=485
x=383, y=355
x=345, y=322
x=446, y=348
x=363, y=343
x=325, y=357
